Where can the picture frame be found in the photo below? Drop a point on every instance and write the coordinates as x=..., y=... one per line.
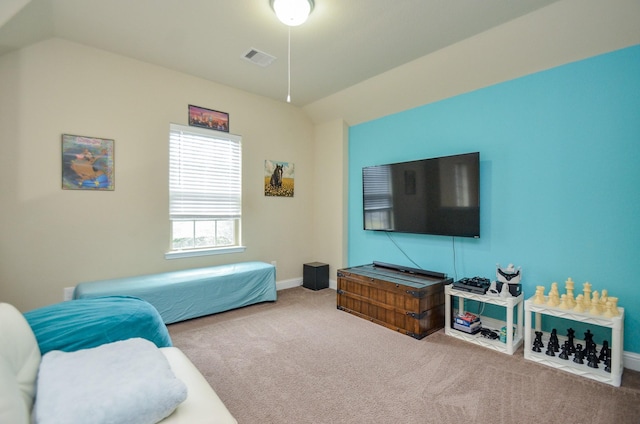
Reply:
x=279, y=178
x=208, y=118
x=87, y=163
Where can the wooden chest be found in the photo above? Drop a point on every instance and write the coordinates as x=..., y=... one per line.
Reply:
x=409, y=303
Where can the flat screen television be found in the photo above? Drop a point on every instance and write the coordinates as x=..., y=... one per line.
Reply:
x=439, y=196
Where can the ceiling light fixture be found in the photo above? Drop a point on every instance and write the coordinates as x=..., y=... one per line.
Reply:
x=291, y=13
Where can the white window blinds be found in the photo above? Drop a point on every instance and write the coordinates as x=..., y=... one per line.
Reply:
x=205, y=180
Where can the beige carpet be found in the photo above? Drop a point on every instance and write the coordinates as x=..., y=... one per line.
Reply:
x=301, y=360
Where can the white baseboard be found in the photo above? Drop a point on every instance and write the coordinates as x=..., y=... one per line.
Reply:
x=288, y=284
x=295, y=282
x=631, y=360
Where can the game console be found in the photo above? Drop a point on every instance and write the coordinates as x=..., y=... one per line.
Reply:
x=476, y=285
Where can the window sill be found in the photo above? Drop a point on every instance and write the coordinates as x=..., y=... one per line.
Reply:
x=178, y=254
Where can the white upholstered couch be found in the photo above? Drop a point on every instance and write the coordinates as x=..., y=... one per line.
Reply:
x=20, y=361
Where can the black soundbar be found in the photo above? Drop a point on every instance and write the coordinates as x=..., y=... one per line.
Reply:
x=409, y=270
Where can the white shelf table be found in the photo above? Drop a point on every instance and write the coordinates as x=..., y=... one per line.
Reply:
x=510, y=303
x=616, y=324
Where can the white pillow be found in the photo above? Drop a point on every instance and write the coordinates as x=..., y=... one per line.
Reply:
x=123, y=382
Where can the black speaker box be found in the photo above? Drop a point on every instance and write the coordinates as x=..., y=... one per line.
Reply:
x=315, y=276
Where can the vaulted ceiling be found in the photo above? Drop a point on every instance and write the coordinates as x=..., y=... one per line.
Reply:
x=342, y=43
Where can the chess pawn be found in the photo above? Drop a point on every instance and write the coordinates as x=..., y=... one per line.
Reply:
x=579, y=304
x=608, y=311
x=604, y=295
x=571, y=301
x=604, y=351
x=595, y=304
x=539, y=297
x=554, y=297
x=563, y=303
x=565, y=351
x=614, y=306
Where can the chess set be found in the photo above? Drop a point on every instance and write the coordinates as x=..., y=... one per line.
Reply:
x=580, y=353
x=590, y=302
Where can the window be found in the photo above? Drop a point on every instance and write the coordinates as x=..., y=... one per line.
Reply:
x=205, y=191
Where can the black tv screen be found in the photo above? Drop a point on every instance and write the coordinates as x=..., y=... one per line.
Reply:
x=439, y=196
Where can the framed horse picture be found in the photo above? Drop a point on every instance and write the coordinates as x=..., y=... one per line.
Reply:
x=87, y=163
x=278, y=178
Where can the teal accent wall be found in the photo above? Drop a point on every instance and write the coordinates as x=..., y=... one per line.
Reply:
x=560, y=179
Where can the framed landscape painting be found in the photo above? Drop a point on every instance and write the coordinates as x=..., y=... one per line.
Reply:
x=87, y=163
x=207, y=118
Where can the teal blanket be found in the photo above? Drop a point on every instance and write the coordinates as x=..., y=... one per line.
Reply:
x=86, y=323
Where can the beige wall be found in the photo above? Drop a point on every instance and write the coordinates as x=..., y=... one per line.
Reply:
x=330, y=199
x=51, y=239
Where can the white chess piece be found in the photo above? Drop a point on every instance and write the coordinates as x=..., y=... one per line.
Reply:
x=579, y=304
x=563, y=303
x=539, y=298
x=595, y=304
x=614, y=305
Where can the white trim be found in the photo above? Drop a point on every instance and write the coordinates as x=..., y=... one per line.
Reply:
x=295, y=282
x=333, y=284
x=631, y=360
x=178, y=254
x=288, y=284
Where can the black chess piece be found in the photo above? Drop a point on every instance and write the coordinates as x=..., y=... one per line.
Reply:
x=536, y=346
x=589, y=344
x=607, y=362
x=564, y=354
x=553, y=340
x=604, y=351
x=550, y=350
x=592, y=360
x=588, y=337
x=570, y=336
x=579, y=355
x=537, y=343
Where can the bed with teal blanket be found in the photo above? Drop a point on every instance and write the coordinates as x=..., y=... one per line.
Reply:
x=192, y=293
x=87, y=323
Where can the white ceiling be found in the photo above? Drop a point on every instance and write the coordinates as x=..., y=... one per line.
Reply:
x=343, y=43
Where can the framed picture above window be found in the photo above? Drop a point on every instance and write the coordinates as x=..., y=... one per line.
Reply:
x=207, y=118
x=87, y=163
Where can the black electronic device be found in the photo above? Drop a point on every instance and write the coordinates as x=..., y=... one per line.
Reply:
x=410, y=270
x=439, y=196
x=477, y=285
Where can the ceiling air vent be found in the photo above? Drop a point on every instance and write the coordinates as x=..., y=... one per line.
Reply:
x=259, y=58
